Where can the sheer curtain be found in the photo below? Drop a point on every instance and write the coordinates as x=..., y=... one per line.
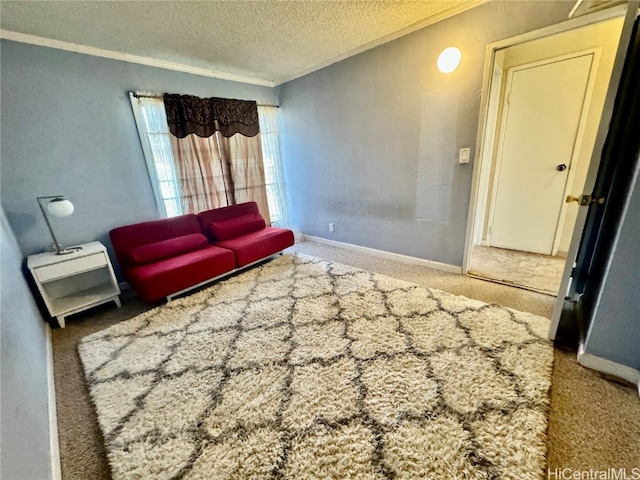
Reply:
x=274, y=178
x=154, y=134
x=202, y=174
x=247, y=170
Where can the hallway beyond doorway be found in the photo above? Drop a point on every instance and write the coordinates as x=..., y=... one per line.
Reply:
x=529, y=270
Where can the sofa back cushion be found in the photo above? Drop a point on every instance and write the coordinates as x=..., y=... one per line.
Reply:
x=152, y=252
x=126, y=238
x=221, y=224
x=236, y=227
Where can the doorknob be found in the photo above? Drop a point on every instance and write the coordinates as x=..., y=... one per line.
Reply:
x=561, y=168
x=584, y=200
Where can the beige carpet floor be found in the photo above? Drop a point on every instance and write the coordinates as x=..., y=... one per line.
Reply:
x=594, y=423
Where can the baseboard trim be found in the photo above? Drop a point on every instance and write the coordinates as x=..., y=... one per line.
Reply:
x=609, y=367
x=54, y=444
x=444, y=267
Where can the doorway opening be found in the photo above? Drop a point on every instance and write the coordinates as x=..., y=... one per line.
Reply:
x=543, y=108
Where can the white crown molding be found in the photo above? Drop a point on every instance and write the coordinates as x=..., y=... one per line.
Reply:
x=179, y=67
x=126, y=57
x=450, y=12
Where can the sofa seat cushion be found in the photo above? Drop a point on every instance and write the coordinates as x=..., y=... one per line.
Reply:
x=172, y=247
x=257, y=245
x=154, y=281
x=230, y=228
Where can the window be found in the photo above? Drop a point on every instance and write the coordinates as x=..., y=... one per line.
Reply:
x=270, y=137
x=154, y=134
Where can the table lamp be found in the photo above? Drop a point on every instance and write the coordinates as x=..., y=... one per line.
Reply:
x=59, y=207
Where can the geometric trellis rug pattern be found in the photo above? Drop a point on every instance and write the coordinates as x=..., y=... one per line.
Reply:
x=304, y=368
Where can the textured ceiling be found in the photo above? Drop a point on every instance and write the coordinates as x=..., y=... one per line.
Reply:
x=269, y=40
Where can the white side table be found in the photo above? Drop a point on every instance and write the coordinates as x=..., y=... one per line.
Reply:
x=76, y=281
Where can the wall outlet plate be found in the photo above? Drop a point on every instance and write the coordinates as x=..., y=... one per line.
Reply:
x=332, y=227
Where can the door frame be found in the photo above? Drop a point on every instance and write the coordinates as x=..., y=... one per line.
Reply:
x=481, y=158
x=567, y=285
x=495, y=162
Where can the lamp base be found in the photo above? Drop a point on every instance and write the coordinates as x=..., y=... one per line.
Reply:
x=67, y=251
x=60, y=249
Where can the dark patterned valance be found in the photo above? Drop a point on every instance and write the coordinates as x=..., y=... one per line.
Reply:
x=204, y=116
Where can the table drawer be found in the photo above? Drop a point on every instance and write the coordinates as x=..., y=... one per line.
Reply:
x=71, y=267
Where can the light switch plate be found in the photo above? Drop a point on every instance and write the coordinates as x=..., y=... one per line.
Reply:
x=465, y=153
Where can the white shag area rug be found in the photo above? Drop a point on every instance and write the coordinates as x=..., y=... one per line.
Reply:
x=303, y=368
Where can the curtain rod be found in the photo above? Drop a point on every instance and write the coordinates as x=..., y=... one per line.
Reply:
x=141, y=95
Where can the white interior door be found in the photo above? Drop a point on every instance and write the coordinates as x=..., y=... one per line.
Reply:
x=542, y=113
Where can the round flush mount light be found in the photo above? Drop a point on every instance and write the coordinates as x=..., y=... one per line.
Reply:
x=449, y=59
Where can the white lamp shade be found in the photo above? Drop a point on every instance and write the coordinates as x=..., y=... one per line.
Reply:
x=449, y=59
x=60, y=207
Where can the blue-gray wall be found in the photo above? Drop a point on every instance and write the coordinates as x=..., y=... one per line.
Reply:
x=68, y=129
x=614, y=333
x=359, y=134
x=357, y=137
x=24, y=397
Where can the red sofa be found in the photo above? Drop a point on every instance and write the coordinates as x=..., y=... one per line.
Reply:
x=242, y=230
x=163, y=258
